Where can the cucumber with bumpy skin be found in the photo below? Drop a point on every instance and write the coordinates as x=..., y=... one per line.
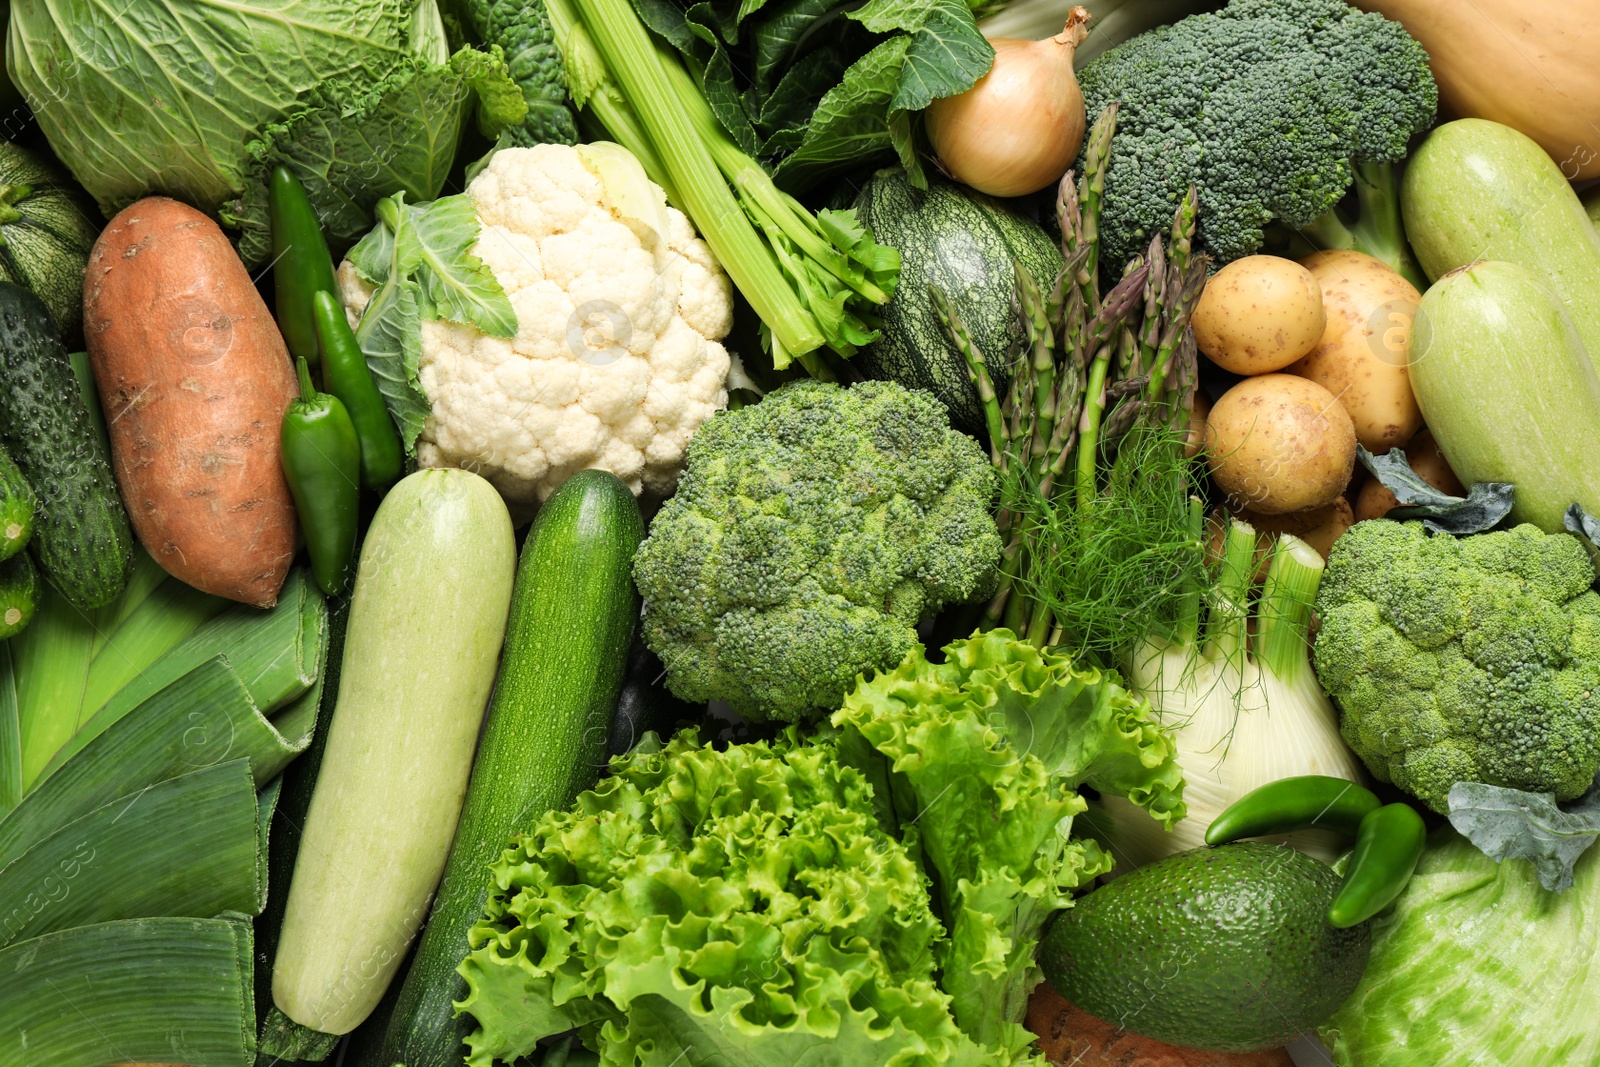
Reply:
x=81, y=537
x=16, y=507
x=572, y=617
x=19, y=595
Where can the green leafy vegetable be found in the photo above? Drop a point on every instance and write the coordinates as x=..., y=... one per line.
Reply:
x=1512, y=824
x=1485, y=504
x=200, y=100
x=931, y=738
x=769, y=903
x=1476, y=963
x=823, y=86
x=420, y=258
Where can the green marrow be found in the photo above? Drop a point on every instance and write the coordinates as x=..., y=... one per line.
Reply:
x=427, y=618
x=572, y=619
x=81, y=537
x=1478, y=190
x=16, y=507
x=1507, y=389
x=965, y=243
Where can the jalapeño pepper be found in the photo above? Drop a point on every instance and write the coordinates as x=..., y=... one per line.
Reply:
x=1388, y=846
x=322, y=462
x=1307, y=802
x=345, y=374
x=301, y=265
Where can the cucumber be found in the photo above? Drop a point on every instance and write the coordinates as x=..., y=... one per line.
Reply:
x=1478, y=190
x=19, y=595
x=1507, y=389
x=81, y=538
x=427, y=618
x=572, y=618
x=16, y=507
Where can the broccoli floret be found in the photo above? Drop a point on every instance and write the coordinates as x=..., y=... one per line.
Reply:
x=1474, y=659
x=1270, y=108
x=809, y=535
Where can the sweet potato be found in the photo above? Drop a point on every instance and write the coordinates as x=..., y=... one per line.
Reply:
x=1071, y=1037
x=195, y=378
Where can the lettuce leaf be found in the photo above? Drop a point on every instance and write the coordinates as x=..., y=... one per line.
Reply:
x=736, y=908
x=1477, y=963
x=978, y=759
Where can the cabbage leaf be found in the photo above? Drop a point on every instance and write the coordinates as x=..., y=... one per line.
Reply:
x=1477, y=963
x=198, y=100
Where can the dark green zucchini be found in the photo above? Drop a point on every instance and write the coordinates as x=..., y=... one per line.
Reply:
x=573, y=611
x=16, y=507
x=646, y=704
x=81, y=537
x=19, y=594
x=965, y=243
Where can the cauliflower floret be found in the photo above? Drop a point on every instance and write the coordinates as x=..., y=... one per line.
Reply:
x=617, y=357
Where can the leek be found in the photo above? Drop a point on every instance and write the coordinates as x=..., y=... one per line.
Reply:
x=1239, y=695
x=123, y=861
x=162, y=990
x=10, y=736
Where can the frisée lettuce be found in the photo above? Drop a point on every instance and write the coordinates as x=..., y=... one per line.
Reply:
x=869, y=895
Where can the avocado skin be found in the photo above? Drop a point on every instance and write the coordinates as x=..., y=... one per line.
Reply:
x=1223, y=949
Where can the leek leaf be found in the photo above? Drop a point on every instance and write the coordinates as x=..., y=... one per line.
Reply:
x=51, y=660
x=123, y=860
x=274, y=653
x=204, y=718
x=10, y=736
x=164, y=990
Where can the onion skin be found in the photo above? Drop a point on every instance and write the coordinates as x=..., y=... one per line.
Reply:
x=1020, y=127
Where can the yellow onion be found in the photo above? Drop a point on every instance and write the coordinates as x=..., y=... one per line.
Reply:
x=1020, y=127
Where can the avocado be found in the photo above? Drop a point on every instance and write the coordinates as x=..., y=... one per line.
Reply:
x=1225, y=949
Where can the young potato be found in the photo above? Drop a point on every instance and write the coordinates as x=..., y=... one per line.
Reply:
x=1199, y=408
x=1259, y=314
x=1428, y=461
x=195, y=378
x=1361, y=356
x=1278, y=443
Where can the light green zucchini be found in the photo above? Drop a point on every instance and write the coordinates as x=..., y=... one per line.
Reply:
x=1507, y=389
x=1477, y=190
x=572, y=619
x=427, y=618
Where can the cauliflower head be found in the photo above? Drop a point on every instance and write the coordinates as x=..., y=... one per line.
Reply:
x=620, y=312
x=809, y=535
x=1474, y=659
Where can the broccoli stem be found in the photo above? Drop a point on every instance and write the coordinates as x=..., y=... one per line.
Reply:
x=1378, y=231
x=1284, y=613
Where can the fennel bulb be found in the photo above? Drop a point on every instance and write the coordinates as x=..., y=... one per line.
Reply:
x=1239, y=696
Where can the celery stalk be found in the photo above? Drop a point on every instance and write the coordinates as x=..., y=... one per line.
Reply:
x=629, y=55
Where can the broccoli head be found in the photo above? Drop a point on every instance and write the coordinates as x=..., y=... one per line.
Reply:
x=1267, y=107
x=1464, y=660
x=809, y=535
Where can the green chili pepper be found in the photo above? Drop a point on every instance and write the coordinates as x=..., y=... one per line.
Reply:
x=322, y=462
x=1308, y=802
x=301, y=265
x=1388, y=846
x=345, y=374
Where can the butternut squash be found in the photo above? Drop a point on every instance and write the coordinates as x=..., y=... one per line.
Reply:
x=1529, y=65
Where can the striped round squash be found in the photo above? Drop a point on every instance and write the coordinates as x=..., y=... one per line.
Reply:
x=47, y=226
